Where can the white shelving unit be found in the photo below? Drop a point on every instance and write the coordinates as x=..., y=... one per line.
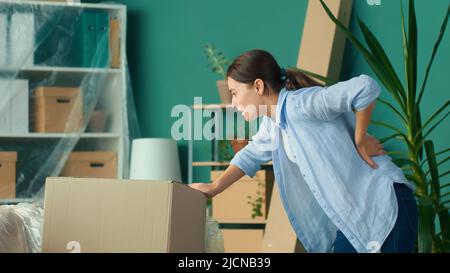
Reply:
x=111, y=97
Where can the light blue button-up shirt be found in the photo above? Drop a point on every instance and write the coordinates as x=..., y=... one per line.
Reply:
x=329, y=186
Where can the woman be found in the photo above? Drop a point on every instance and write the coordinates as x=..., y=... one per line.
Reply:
x=340, y=190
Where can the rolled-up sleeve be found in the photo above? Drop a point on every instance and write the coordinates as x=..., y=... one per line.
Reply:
x=327, y=103
x=257, y=152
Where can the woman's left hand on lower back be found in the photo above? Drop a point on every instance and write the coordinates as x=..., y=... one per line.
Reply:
x=368, y=147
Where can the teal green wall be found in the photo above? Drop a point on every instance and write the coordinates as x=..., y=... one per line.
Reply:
x=168, y=67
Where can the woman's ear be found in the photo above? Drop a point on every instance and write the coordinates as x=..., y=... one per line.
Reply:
x=259, y=86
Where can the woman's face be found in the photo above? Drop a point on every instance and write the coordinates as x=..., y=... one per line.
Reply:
x=246, y=98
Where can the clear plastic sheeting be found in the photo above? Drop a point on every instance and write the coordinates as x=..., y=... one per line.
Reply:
x=64, y=87
x=213, y=236
x=21, y=228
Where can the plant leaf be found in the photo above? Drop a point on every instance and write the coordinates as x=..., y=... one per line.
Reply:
x=444, y=174
x=433, y=169
x=426, y=221
x=443, y=151
x=383, y=140
x=371, y=60
x=433, y=55
x=444, y=220
x=379, y=53
x=403, y=161
x=380, y=123
x=418, y=123
x=413, y=178
x=383, y=124
x=430, y=119
x=436, y=124
x=400, y=115
x=412, y=54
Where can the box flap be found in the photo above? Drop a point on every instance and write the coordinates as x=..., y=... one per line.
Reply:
x=188, y=207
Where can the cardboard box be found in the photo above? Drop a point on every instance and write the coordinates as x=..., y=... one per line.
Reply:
x=14, y=106
x=107, y=215
x=323, y=44
x=91, y=164
x=242, y=240
x=57, y=109
x=279, y=236
x=232, y=205
x=8, y=175
x=114, y=42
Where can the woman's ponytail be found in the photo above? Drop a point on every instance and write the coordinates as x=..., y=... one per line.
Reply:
x=296, y=79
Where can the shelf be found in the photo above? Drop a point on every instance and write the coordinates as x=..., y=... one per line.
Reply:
x=16, y=201
x=219, y=164
x=243, y=221
x=63, y=76
x=58, y=135
x=65, y=4
x=55, y=69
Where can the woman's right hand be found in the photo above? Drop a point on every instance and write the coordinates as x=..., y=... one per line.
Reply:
x=209, y=189
x=228, y=177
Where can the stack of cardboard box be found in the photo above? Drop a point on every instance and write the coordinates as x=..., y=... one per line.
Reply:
x=244, y=205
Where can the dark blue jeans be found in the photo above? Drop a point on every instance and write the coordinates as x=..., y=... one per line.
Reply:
x=402, y=238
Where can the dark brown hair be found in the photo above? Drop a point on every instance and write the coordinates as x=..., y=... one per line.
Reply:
x=260, y=64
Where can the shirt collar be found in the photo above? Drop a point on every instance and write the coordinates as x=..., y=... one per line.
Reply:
x=280, y=120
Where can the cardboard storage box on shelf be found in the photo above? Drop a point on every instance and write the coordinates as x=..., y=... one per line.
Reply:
x=57, y=109
x=237, y=203
x=242, y=240
x=108, y=215
x=91, y=164
x=8, y=175
x=13, y=106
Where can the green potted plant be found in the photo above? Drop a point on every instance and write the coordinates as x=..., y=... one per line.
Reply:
x=218, y=64
x=432, y=202
x=224, y=150
x=257, y=201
